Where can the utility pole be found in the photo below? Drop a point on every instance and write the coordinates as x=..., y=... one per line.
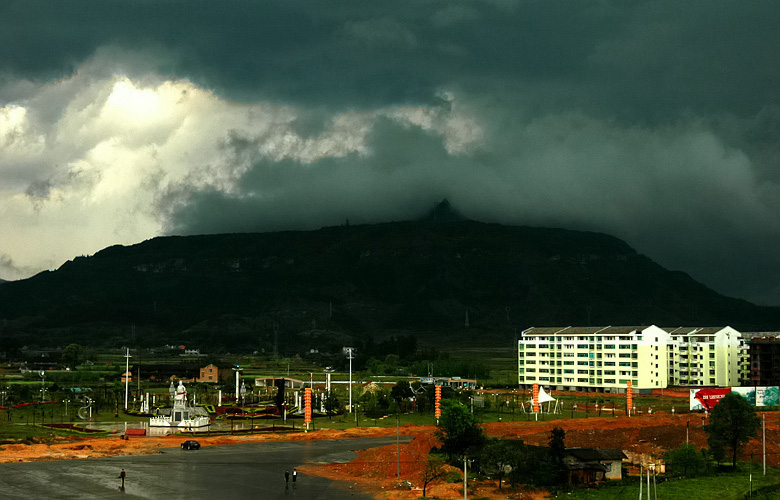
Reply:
x=763, y=433
x=655, y=486
x=127, y=375
x=139, y=379
x=640, y=481
x=398, y=444
x=648, y=482
x=465, y=477
x=751, y=474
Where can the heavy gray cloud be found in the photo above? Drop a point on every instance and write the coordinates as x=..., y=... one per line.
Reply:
x=658, y=122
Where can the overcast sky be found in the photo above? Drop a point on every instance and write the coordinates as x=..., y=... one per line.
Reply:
x=657, y=122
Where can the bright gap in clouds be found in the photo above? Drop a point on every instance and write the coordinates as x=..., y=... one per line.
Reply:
x=124, y=155
x=130, y=101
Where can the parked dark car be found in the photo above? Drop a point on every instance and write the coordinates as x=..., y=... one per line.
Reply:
x=190, y=444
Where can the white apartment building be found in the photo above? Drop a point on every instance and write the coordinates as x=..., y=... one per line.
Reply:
x=604, y=359
x=715, y=356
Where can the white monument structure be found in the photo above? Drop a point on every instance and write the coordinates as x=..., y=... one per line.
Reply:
x=182, y=415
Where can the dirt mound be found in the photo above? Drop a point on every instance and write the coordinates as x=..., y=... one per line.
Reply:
x=649, y=435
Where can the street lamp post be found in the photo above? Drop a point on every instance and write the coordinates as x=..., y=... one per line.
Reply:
x=127, y=375
x=43, y=385
x=237, y=369
x=349, y=351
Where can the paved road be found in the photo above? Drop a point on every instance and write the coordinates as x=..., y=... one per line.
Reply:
x=245, y=471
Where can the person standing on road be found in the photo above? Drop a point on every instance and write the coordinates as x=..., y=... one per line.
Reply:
x=295, y=476
x=286, y=478
x=122, y=477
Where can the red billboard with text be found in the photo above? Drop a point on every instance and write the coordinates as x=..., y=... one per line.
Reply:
x=705, y=399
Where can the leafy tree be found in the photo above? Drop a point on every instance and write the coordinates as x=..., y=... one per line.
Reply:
x=371, y=405
x=331, y=403
x=709, y=456
x=496, y=455
x=685, y=461
x=421, y=402
x=458, y=429
x=72, y=354
x=401, y=391
x=434, y=469
x=529, y=465
x=733, y=422
x=556, y=448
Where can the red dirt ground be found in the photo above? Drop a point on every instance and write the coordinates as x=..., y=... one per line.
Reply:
x=376, y=469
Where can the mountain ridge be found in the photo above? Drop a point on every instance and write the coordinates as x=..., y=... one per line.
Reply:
x=416, y=277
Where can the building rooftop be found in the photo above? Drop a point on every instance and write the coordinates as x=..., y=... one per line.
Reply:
x=694, y=330
x=762, y=336
x=592, y=454
x=584, y=330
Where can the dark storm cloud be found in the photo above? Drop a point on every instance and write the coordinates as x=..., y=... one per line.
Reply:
x=656, y=121
x=678, y=194
x=393, y=183
x=638, y=59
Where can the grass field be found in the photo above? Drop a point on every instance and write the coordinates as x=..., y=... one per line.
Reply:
x=724, y=486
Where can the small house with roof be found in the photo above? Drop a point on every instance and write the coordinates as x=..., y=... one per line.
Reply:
x=593, y=465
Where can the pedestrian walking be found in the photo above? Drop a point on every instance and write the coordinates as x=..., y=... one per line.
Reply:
x=295, y=475
x=122, y=477
x=287, y=476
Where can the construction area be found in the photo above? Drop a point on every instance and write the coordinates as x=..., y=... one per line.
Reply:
x=643, y=438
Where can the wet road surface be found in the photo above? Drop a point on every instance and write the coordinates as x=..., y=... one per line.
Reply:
x=246, y=471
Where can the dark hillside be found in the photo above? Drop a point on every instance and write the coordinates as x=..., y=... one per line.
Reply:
x=373, y=280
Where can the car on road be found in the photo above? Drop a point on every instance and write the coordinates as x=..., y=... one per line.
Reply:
x=190, y=444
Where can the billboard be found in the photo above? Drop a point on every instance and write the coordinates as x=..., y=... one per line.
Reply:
x=768, y=396
x=705, y=399
x=748, y=393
